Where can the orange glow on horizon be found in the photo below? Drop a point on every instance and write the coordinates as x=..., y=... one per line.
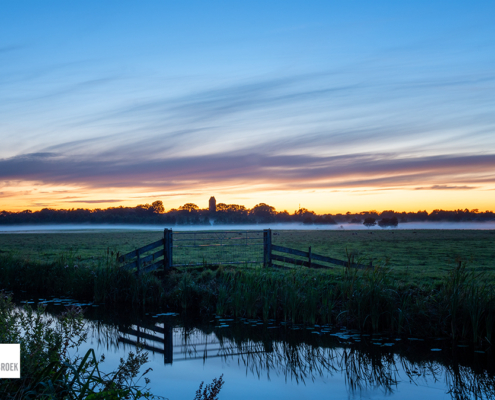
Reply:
x=322, y=201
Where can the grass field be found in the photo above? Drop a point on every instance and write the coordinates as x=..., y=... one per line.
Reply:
x=412, y=255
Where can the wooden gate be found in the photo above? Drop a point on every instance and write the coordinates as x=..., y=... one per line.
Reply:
x=202, y=248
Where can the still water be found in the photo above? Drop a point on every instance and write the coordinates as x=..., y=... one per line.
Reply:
x=276, y=360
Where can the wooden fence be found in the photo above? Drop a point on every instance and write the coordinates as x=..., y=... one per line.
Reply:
x=163, y=258
x=142, y=264
x=308, y=260
x=310, y=256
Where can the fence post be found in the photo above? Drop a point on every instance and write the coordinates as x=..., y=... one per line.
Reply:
x=309, y=257
x=267, y=248
x=138, y=262
x=167, y=249
x=168, y=345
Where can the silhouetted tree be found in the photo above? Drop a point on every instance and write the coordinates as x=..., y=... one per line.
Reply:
x=222, y=207
x=158, y=207
x=308, y=221
x=263, y=212
x=388, y=222
x=304, y=215
x=369, y=222
x=189, y=207
x=283, y=216
x=229, y=214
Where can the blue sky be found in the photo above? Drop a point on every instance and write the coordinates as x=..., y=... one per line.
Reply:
x=336, y=105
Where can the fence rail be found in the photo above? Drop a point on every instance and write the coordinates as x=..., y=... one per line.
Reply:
x=310, y=256
x=181, y=249
x=194, y=345
x=141, y=335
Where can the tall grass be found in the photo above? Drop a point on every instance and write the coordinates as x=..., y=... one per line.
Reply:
x=461, y=305
x=469, y=302
x=102, y=281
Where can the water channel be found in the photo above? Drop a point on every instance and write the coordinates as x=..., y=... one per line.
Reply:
x=276, y=360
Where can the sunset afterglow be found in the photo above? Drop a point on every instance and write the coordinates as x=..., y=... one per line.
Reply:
x=334, y=107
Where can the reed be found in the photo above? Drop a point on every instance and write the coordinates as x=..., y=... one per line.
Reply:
x=222, y=299
x=311, y=305
x=101, y=282
x=377, y=295
x=453, y=295
x=461, y=305
x=475, y=305
x=266, y=297
x=292, y=298
x=489, y=322
x=403, y=311
x=237, y=303
x=327, y=303
x=249, y=286
x=469, y=302
x=186, y=288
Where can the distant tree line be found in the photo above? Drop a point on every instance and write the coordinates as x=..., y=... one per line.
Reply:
x=191, y=214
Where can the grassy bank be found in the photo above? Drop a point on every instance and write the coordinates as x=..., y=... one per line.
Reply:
x=460, y=305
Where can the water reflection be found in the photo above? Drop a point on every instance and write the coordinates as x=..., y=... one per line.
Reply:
x=160, y=336
x=464, y=383
x=301, y=357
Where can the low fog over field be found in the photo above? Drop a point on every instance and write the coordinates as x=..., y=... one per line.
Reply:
x=294, y=226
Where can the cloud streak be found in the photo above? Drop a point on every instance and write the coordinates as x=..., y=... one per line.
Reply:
x=447, y=187
x=329, y=109
x=279, y=171
x=93, y=201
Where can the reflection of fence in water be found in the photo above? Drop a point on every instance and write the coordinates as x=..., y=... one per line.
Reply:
x=219, y=248
x=298, y=362
x=363, y=369
x=157, y=339
x=175, y=344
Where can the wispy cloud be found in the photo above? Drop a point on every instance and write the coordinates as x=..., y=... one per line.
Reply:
x=280, y=171
x=93, y=201
x=329, y=110
x=446, y=187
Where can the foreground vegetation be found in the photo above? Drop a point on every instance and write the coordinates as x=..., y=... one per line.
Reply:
x=461, y=305
x=49, y=368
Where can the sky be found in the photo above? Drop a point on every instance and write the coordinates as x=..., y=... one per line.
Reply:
x=332, y=106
